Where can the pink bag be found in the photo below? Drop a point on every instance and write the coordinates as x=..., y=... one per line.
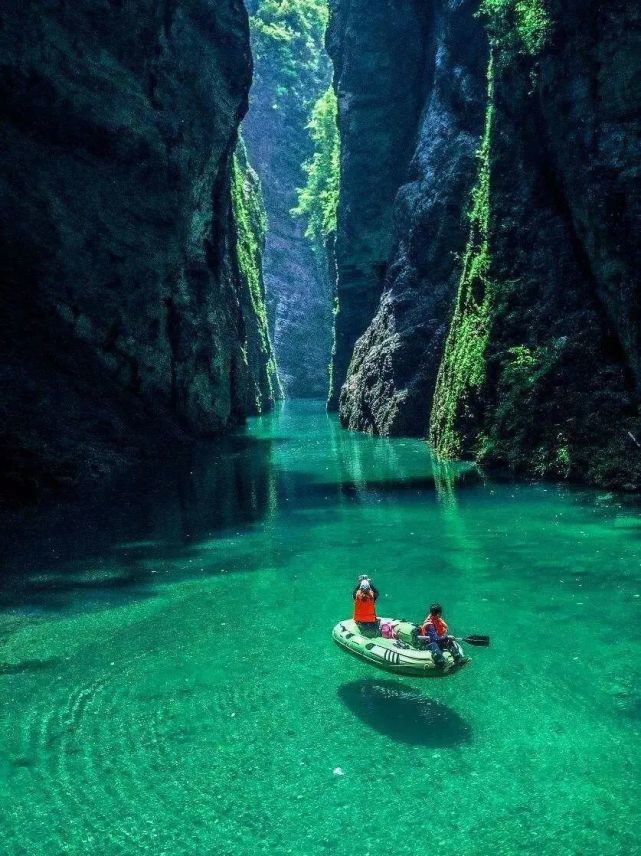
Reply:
x=387, y=630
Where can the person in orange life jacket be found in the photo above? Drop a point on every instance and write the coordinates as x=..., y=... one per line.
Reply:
x=365, y=595
x=435, y=628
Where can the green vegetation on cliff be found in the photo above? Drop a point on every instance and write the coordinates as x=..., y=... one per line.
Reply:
x=251, y=226
x=517, y=25
x=514, y=26
x=318, y=199
x=462, y=369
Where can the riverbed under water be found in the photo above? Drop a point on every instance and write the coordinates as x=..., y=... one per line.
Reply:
x=169, y=684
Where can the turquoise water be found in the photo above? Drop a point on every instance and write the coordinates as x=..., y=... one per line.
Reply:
x=169, y=684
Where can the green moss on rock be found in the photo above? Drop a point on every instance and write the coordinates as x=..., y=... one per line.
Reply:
x=535, y=375
x=462, y=369
x=251, y=226
x=514, y=27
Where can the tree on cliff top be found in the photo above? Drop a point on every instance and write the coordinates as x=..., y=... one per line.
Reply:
x=290, y=33
x=318, y=200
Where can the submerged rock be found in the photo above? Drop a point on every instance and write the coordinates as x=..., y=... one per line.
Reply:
x=124, y=309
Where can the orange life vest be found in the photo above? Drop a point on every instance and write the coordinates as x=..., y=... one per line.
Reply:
x=437, y=623
x=364, y=606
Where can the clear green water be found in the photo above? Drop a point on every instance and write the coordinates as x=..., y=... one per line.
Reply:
x=169, y=685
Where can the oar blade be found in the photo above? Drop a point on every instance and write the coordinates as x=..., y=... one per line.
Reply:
x=479, y=641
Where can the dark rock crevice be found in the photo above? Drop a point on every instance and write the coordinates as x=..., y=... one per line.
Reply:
x=590, y=91
x=555, y=196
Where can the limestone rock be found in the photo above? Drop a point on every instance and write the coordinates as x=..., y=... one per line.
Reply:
x=532, y=327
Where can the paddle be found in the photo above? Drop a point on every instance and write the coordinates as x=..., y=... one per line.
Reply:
x=479, y=641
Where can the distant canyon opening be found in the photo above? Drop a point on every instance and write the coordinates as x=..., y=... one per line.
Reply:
x=291, y=136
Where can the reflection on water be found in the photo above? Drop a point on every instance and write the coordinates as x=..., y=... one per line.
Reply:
x=166, y=514
x=404, y=714
x=155, y=516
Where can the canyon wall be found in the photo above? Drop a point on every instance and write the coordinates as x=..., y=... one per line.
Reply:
x=126, y=316
x=394, y=364
x=380, y=53
x=509, y=319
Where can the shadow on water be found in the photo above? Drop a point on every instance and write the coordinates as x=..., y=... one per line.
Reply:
x=116, y=542
x=356, y=489
x=28, y=666
x=160, y=524
x=404, y=714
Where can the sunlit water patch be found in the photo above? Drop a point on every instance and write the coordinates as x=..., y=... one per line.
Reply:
x=169, y=683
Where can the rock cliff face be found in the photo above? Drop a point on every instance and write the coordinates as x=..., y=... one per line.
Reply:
x=299, y=295
x=393, y=366
x=381, y=73
x=532, y=278
x=287, y=82
x=125, y=313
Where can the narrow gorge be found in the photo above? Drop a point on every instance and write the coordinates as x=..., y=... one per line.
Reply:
x=287, y=104
x=435, y=226
x=320, y=390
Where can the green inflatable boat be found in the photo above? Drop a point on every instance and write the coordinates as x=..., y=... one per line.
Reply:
x=400, y=655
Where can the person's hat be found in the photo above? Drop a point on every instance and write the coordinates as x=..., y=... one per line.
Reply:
x=364, y=586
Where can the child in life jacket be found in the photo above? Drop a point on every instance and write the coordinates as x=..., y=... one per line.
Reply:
x=435, y=628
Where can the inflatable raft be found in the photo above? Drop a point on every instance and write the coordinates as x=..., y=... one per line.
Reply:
x=400, y=655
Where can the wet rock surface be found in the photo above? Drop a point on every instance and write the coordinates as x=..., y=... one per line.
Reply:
x=394, y=364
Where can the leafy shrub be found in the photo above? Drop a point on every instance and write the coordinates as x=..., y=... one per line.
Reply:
x=318, y=200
